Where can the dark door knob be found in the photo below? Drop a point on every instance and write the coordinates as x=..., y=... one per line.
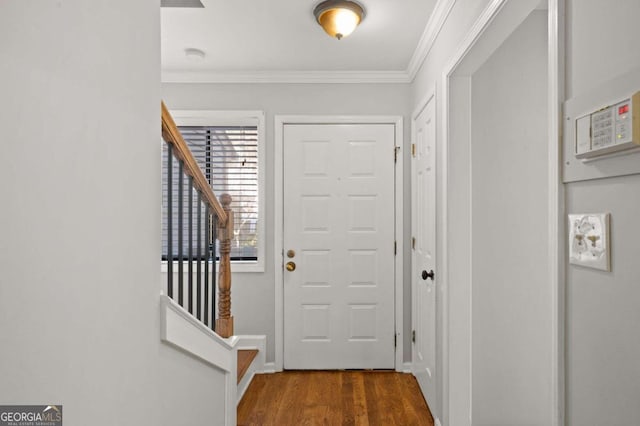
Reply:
x=429, y=274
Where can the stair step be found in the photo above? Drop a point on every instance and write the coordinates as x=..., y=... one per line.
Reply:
x=245, y=358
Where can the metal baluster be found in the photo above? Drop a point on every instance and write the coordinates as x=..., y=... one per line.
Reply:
x=190, y=278
x=170, y=221
x=206, y=266
x=180, y=236
x=199, y=264
x=214, y=290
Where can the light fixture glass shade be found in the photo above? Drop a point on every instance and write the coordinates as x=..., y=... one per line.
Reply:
x=339, y=18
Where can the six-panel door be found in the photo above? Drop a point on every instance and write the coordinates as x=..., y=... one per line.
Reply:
x=339, y=224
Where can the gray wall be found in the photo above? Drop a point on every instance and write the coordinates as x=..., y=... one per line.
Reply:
x=511, y=310
x=253, y=294
x=462, y=16
x=80, y=219
x=80, y=283
x=602, y=348
x=603, y=308
x=429, y=77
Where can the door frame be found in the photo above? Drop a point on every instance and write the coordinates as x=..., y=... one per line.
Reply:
x=455, y=396
x=280, y=121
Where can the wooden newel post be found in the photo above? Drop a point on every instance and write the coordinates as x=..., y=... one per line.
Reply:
x=224, y=322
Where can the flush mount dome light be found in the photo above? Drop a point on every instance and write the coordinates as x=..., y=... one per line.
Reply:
x=339, y=18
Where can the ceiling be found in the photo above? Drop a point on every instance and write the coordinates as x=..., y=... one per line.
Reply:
x=279, y=40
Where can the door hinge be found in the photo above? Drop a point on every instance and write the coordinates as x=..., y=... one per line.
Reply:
x=395, y=340
x=413, y=336
x=413, y=243
x=396, y=149
x=395, y=248
x=413, y=149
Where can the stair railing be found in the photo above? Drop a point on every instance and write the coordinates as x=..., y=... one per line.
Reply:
x=213, y=221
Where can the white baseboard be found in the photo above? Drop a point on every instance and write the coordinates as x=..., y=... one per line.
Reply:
x=258, y=364
x=253, y=342
x=407, y=367
x=270, y=368
x=437, y=422
x=245, y=382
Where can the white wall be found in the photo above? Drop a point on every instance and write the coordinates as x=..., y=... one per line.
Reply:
x=80, y=219
x=191, y=393
x=253, y=294
x=603, y=310
x=511, y=307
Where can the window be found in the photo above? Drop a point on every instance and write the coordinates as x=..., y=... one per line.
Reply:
x=229, y=147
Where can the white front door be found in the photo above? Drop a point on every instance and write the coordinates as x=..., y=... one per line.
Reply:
x=339, y=233
x=424, y=245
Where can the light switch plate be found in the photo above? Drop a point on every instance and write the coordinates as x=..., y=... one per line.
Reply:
x=589, y=240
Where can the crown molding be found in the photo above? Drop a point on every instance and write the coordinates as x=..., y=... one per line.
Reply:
x=431, y=31
x=352, y=77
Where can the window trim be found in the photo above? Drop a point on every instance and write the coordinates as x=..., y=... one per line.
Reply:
x=236, y=118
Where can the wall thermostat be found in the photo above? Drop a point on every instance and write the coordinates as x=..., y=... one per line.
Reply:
x=614, y=128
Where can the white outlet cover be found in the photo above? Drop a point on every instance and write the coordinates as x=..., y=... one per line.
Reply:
x=589, y=240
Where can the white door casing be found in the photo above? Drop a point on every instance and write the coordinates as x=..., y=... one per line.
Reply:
x=338, y=208
x=423, y=209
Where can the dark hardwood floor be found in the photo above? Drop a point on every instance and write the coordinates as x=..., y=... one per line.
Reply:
x=334, y=398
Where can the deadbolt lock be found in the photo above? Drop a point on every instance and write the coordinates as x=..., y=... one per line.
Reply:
x=291, y=266
x=291, y=254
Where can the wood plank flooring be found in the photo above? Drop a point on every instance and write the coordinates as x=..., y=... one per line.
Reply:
x=358, y=398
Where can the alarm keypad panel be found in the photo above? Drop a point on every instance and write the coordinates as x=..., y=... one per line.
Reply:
x=610, y=129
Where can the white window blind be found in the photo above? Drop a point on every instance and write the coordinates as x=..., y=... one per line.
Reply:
x=228, y=157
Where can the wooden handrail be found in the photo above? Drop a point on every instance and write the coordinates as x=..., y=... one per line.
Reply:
x=172, y=136
x=223, y=212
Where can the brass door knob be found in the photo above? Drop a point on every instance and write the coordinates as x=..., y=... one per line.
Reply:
x=291, y=266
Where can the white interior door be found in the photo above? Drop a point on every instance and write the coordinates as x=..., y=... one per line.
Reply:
x=424, y=245
x=339, y=233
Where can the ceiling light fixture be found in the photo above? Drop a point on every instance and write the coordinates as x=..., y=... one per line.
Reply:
x=339, y=18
